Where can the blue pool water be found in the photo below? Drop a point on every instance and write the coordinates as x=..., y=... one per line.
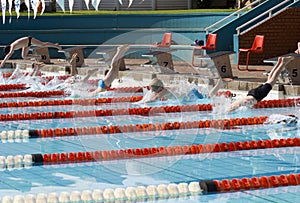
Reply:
x=146, y=171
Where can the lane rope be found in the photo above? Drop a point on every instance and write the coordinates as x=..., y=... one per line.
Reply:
x=146, y=127
x=143, y=111
x=25, y=161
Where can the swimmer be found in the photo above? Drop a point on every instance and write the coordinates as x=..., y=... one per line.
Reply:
x=288, y=121
x=158, y=91
x=72, y=61
x=257, y=94
x=113, y=71
x=25, y=43
x=36, y=68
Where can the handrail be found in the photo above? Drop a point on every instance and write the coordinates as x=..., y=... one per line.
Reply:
x=261, y=15
x=236, y=12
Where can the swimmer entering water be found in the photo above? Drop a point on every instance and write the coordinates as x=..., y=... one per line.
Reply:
x=288, y=121
x=257, y=94
x=158, y=91
x=109, y=75
x=113, y=71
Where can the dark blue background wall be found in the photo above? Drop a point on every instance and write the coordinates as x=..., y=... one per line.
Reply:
x=99, y=29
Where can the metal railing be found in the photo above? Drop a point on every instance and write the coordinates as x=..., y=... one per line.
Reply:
x=270, y=12
x=238, y=12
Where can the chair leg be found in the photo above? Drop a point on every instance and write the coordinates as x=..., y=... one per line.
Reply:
x=238, y=65
x=247, y=60
x=247, y=68
x=247, y=63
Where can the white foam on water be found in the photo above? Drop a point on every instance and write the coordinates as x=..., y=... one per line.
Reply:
x=16, y=76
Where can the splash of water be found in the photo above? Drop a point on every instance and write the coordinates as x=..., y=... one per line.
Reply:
x=187, y=92
x=2, y=80
x=221, y=105
x=16, y=76
x=53, y=84
x=34, y=82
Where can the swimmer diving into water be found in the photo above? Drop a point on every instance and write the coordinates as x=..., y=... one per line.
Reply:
x=25, y=43
x=257, y=94
x=113, y=72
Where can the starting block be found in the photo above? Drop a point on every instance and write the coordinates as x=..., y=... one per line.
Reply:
x=43, y=52
x=293, y=68
x=70, y=51
x=160, y=60
x=221, y=61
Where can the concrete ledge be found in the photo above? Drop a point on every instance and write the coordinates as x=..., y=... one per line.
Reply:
x=292, y=90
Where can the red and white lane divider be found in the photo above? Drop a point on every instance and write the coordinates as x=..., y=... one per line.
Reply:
x=61, y=102
x=131, y=153
x=7, y=87
x=277, y=103
x=106, y=112
x=40, y=94
x=161, y=191
x=253, y=183
x=146, y=127
x=218, y=124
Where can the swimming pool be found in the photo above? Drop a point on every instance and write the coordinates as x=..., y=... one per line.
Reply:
x=116, y=151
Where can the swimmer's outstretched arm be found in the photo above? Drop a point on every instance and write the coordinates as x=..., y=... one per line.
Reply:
x=156, y=96
x=6, y=57
x=245, y=101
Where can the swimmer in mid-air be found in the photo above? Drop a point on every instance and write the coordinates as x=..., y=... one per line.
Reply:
x=25, y=43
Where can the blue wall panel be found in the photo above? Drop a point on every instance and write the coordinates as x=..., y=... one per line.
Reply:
x=99, y=29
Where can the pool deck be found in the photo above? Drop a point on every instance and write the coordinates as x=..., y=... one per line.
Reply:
x=241, y=83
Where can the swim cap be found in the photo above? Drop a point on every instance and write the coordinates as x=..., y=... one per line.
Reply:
x=292, y=120
x=156, y=83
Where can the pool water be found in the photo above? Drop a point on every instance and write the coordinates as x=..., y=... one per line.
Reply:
x=68, y=177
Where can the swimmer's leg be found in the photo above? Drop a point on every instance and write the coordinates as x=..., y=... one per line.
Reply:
x=115, y=65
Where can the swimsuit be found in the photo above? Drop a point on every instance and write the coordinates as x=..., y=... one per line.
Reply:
x=101, y=84
x=194, y=92
x=260, y=92
x=193, y=95
x=29, y=41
